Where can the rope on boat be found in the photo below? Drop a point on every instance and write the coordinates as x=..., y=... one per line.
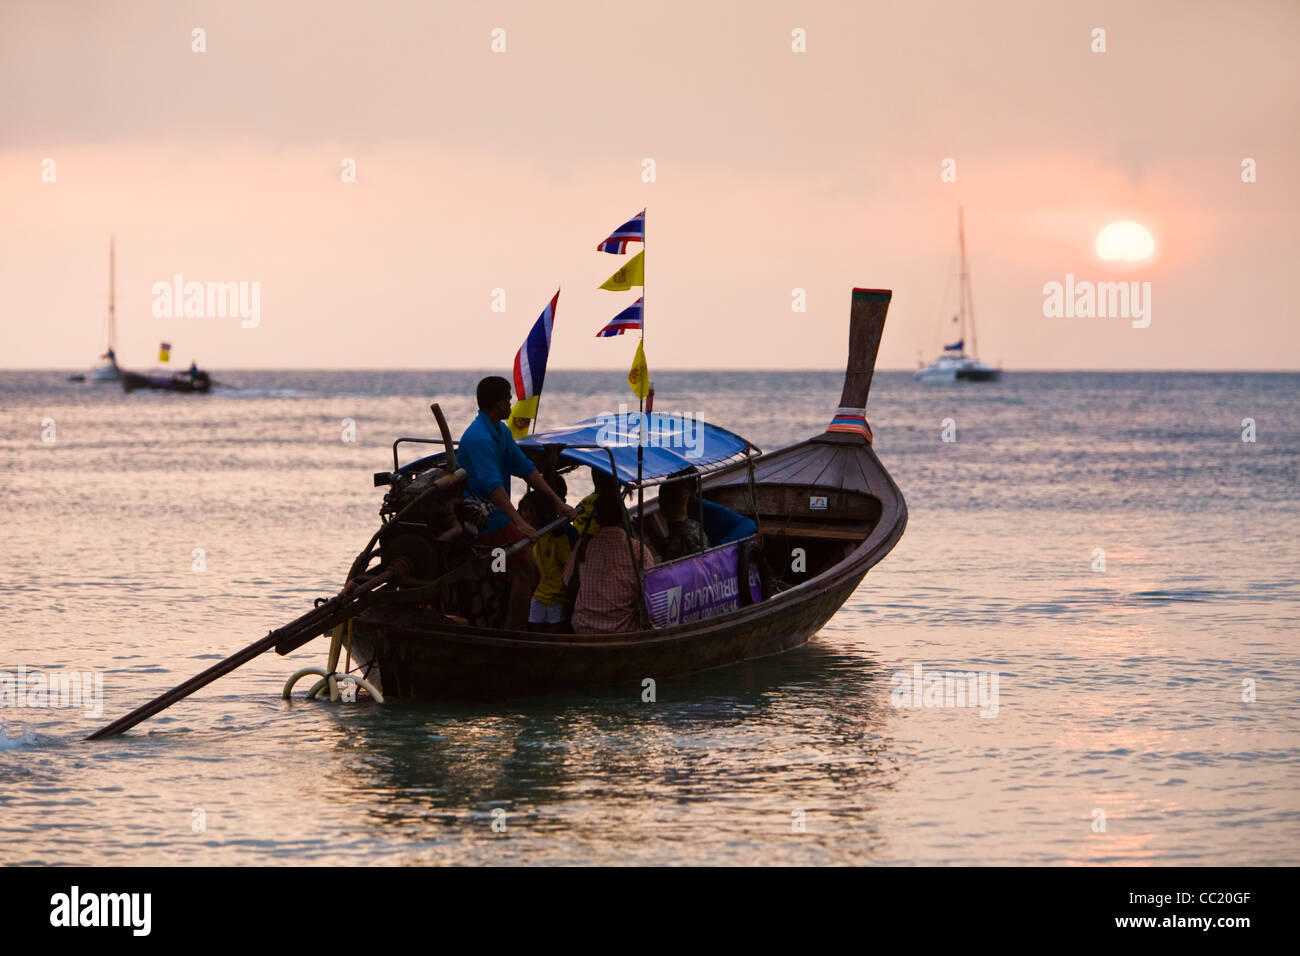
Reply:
x=330, y=675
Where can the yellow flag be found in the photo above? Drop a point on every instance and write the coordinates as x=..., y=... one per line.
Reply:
x=639, y=378
x=164, y=352
x=631, y=274
x=521, y=414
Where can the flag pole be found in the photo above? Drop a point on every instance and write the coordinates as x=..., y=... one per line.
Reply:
x=538, y=413
x=640, y=431
x=643, y=218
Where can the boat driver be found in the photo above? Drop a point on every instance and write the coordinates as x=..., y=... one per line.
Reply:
x=490, y=455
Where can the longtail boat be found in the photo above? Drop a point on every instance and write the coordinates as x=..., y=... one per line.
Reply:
x=826, y=511
x=421, y=615
x=191, y=381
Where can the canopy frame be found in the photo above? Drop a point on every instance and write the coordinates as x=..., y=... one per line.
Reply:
x=550, y=440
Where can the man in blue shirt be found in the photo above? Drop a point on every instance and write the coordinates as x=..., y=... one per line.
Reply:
x=489, y=455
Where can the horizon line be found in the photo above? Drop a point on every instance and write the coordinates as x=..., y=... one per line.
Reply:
x=619, y=368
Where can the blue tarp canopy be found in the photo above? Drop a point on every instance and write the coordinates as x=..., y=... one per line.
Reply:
x=673, y=444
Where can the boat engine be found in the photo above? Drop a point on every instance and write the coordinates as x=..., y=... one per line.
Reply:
x=431, y=526
x=422, y=513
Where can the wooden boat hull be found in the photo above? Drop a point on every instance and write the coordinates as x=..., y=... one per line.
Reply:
x=827, y=500
x=178, y=382
x=420, y=663
x=414, y=659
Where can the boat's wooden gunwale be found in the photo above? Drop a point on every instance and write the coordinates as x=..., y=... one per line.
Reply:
x=769, y=608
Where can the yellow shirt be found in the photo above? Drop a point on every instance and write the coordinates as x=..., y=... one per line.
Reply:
x=552, y=553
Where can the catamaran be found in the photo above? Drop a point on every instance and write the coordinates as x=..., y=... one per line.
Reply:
x=954, y=365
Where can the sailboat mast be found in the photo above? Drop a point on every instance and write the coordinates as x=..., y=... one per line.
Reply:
x=112, y=309
x=967, y=304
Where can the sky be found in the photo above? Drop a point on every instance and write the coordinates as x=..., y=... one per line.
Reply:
x=774, y=170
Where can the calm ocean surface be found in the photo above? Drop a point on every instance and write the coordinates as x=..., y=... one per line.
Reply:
x=1121, y=733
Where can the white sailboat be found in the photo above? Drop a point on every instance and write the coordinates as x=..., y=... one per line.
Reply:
x=106, y=371
x=954, y=365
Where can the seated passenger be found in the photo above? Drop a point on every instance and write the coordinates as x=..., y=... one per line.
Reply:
x=724, y=526
x=548, y=610
x=586, y=522
x=685, y=536
x=605, y=585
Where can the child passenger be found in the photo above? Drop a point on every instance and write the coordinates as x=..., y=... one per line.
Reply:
x=548, y=610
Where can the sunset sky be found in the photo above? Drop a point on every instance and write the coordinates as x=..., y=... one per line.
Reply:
x=774, y=170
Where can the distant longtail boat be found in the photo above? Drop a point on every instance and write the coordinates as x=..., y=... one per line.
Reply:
x=193, y=380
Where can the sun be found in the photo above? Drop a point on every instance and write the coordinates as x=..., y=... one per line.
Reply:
x=1125, y=242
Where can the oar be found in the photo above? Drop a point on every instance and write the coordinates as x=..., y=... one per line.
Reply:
x=297, y=633
x=314, y=620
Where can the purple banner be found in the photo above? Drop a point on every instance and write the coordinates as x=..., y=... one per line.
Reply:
x=701, y=586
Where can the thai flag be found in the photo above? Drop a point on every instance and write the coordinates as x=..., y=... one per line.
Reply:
x=631, y=231
x=627, y=320
x=530, y=360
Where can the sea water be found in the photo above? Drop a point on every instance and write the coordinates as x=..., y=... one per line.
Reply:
x=1114, y=556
